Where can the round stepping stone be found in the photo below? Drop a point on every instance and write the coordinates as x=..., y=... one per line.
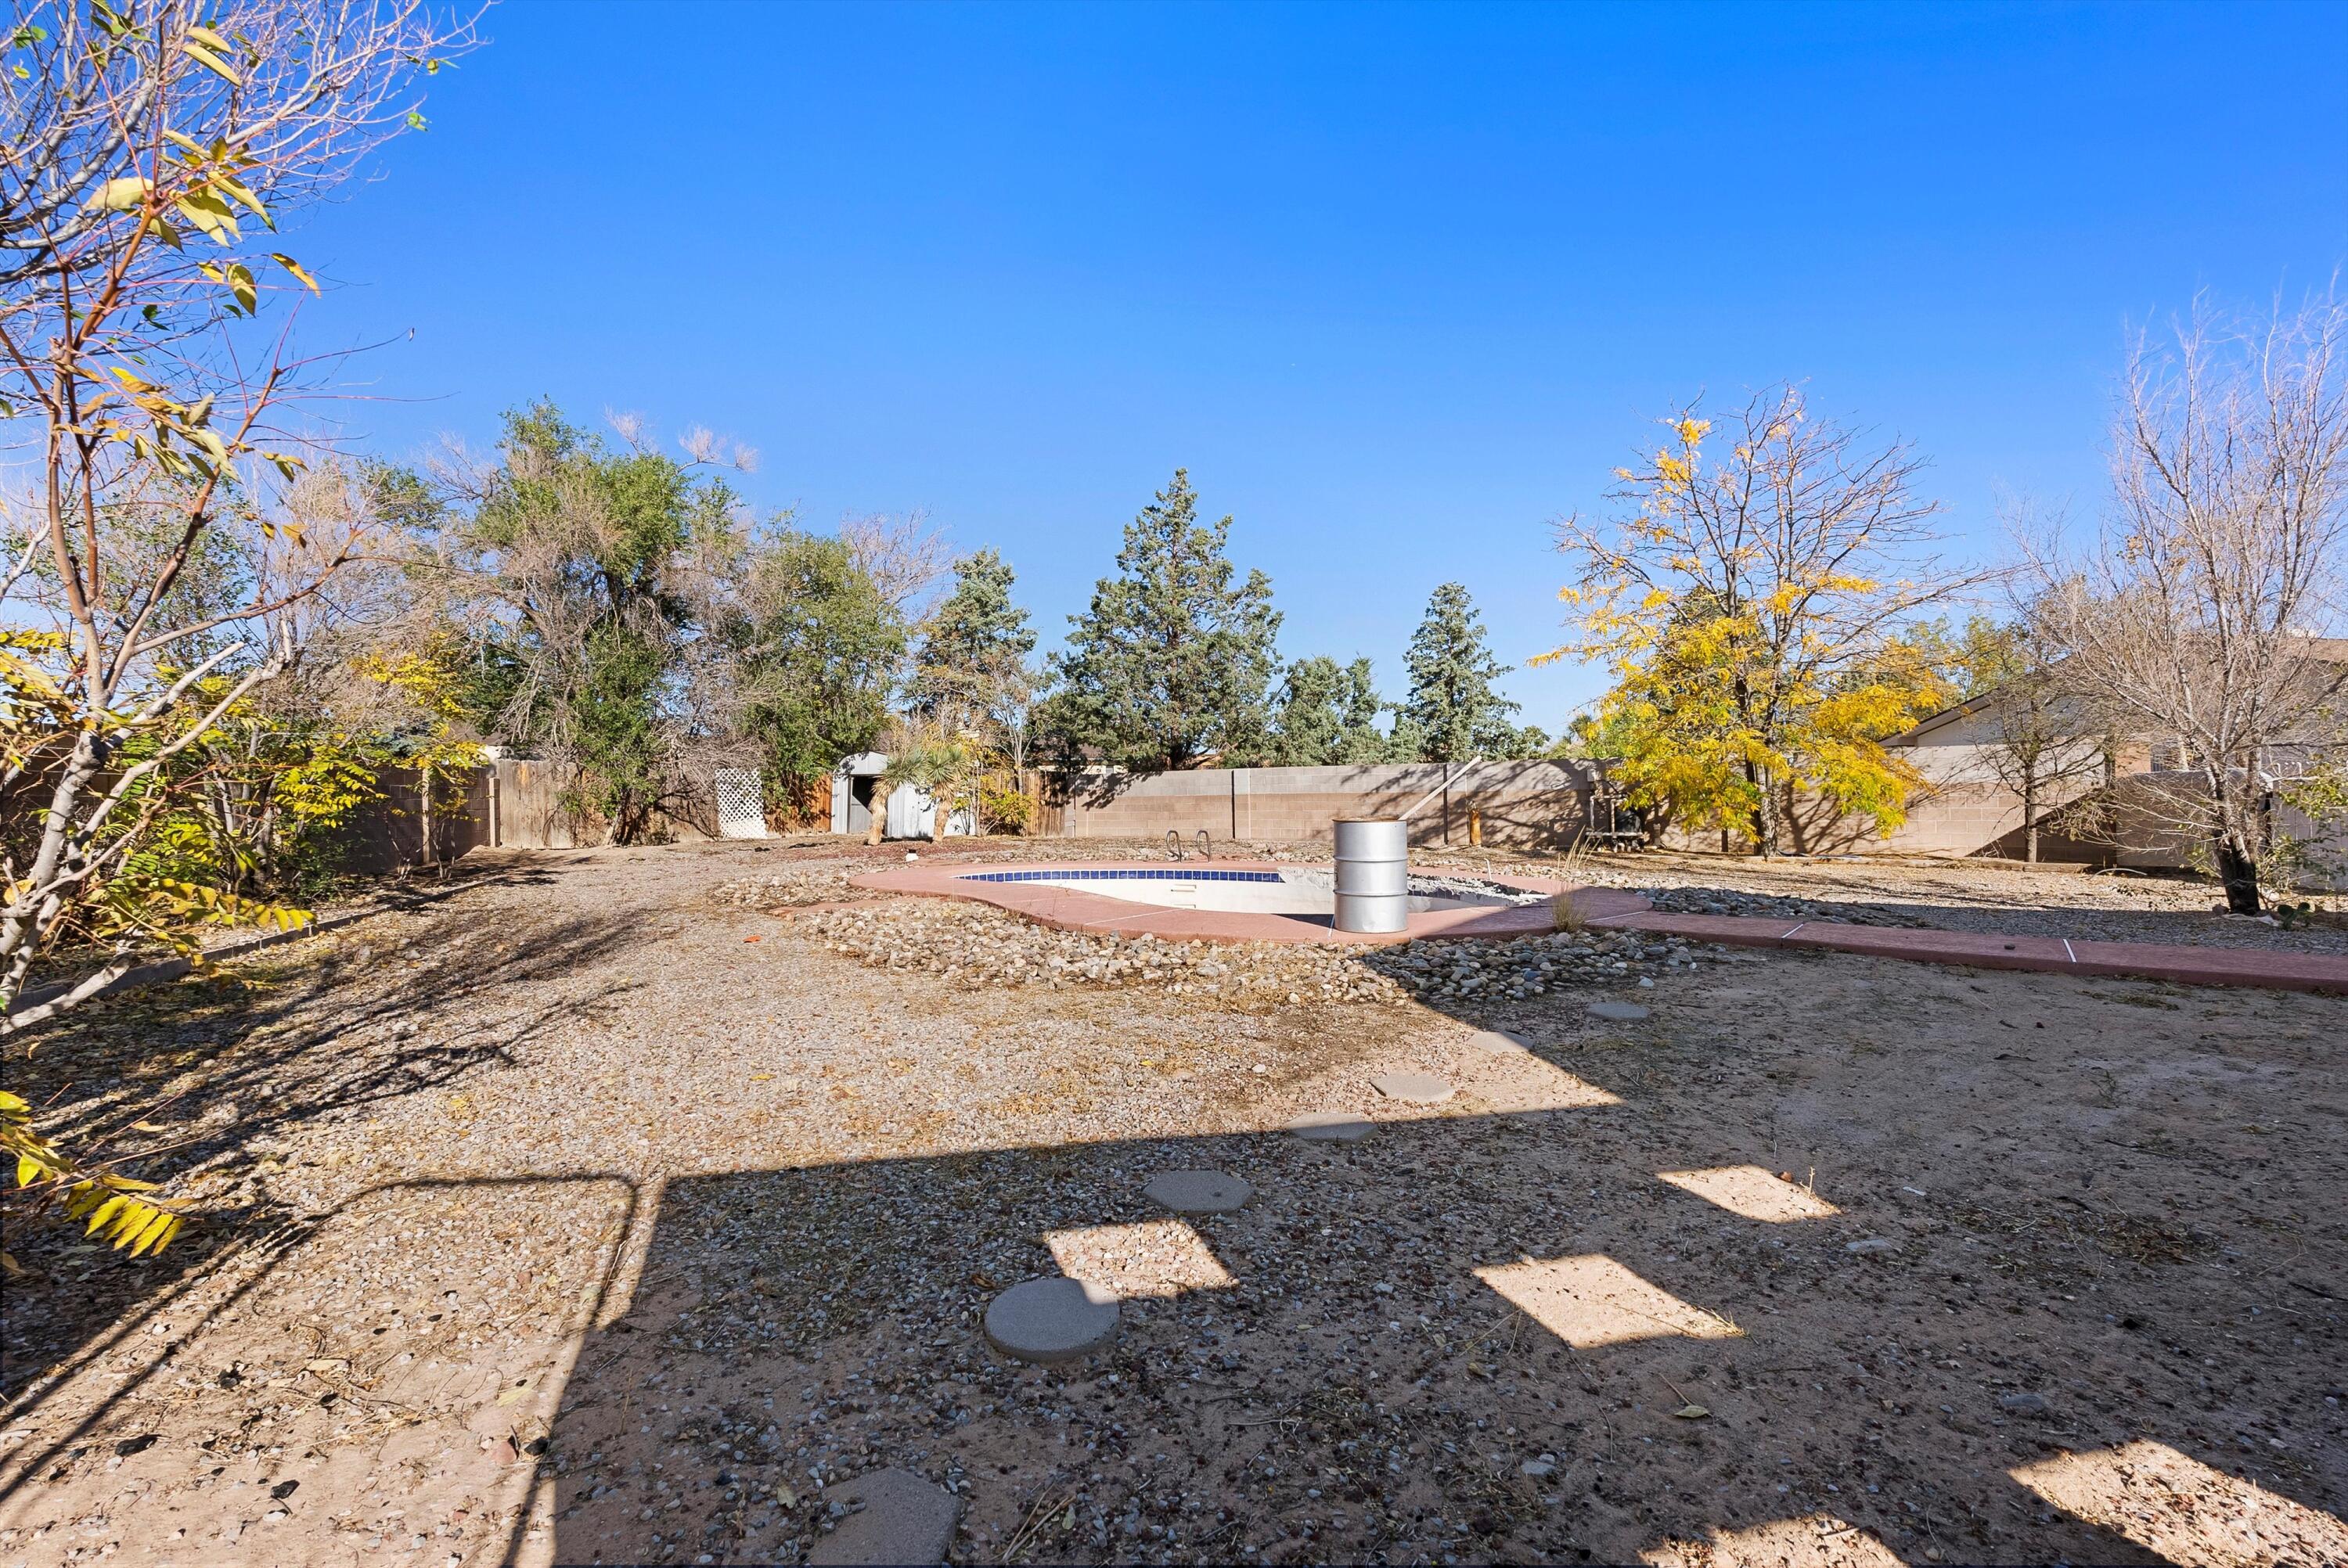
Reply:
x=1330, y=1127
x=1618, y=1012
x=1492, y=1042
x=899, y=1518
x=1198, y=1192
x=1051, y=1319
x=1414, y=1088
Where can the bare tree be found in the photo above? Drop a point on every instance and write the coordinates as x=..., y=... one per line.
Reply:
x=2044, y=743
x=144, y=148
x=2197, y=617
x=904, y=555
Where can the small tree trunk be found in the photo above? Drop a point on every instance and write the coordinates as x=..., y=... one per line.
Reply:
x=2238, y=843
x=2030, y=818
x=2239, y=873
x=1764, y=843
x=938, y=821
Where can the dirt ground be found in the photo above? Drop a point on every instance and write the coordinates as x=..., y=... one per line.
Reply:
x=577, y=1214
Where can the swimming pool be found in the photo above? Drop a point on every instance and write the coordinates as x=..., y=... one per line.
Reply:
x=1243, y=900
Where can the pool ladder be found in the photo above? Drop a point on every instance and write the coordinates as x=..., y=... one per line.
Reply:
x=1174, y=850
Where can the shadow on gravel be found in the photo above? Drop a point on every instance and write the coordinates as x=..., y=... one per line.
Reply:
x=1361, y=1365
x=320, y=1035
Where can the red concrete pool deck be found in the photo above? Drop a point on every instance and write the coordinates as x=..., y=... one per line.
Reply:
x=2192, y=966
x=1072, y=909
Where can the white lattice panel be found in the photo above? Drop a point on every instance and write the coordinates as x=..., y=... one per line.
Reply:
x=741, y=809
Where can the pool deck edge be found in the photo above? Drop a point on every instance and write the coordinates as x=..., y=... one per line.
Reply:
x=1071, y=910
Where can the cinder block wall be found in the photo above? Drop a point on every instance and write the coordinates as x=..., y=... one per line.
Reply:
x=1523, y=804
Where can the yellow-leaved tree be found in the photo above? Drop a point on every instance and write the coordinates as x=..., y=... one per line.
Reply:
x=149, y=150
x=1756, y=599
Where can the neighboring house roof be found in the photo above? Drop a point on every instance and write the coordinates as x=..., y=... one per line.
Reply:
x=1945, y=717
x=2331, y=649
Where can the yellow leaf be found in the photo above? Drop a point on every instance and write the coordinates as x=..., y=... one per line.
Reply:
x=120, y=195
x=294, y=267
x=210, y=61
x=28, y=1170
x=209, y=213
x=155, y=1234
x=241, y=193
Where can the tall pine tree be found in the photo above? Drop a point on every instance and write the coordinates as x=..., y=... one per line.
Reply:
x=1170, y=662
x=975, y=648
x=1452, y=708
x=1328, y=713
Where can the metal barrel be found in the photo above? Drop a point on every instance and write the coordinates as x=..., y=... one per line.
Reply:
x=1372, y=875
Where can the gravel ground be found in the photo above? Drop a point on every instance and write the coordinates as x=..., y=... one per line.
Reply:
x=593, y=1213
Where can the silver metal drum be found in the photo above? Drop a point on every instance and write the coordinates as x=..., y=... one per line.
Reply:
x=1372, y=875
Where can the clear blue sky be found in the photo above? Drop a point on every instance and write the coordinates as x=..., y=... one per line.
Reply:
x=1397, y=284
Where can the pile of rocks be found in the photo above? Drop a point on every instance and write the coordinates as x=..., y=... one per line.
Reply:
x=1468, y=970
x=975, y=945
x=1700, y=900
x=788, y=889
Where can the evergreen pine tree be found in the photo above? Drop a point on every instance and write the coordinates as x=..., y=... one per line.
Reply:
x=1452, y=706
x=1327, y=714
x=976, y=646
x=1170, y=662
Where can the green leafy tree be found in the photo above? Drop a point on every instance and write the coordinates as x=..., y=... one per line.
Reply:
x=817, y=647
x=1452, y=708
x=578, y=546
x=1327, y=714
x=1171, y=661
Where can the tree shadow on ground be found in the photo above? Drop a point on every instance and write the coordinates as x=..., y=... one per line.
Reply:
x=211, y=1075
x=1360, y=1365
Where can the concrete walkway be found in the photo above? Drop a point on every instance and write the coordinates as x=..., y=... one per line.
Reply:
x=2193, y=966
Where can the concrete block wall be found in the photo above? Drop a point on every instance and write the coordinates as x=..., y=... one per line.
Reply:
x=1526, y=804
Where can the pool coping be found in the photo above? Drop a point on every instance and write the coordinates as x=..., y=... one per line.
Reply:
x=1072, y=909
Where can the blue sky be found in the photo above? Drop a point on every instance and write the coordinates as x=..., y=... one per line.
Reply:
x=1397, y=284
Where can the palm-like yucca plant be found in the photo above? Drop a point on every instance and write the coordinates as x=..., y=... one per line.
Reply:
x=944, y=769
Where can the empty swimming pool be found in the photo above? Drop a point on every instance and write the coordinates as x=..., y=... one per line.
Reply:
x=1243, y=900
